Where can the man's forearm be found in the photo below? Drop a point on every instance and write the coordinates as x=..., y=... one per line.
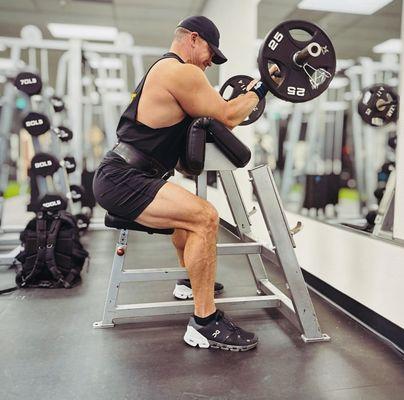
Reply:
x=240, y=108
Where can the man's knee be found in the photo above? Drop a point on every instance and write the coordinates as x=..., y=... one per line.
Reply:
x=208, y=220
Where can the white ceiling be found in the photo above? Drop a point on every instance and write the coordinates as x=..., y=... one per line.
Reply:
x=151, y=22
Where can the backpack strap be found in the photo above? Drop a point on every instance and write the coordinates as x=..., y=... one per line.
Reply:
x=50, y=251
x=41, y=245
x=67, y=217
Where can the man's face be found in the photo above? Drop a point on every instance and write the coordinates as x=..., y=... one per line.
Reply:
x=203, y=54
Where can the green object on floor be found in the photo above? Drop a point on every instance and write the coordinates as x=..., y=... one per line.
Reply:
x=13, y=189
x=350, y=194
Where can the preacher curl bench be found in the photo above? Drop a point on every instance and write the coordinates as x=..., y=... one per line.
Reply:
x=212, y=147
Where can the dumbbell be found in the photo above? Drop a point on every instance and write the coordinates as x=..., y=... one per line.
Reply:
x=82, y=221
x=31, y=84
x=37, y=124
x=70, y=164
x=384, y=172
x=76, y=193
x=52, y=202
x=45, y=164
x=379, y=193
x=392, y=142
x=371, y=216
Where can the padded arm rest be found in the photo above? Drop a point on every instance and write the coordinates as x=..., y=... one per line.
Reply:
x=235, y=150
x=192, y=158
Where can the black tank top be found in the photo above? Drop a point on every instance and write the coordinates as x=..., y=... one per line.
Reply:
x=163, y=144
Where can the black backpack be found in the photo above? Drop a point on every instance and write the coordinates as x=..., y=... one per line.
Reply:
x=52, y=255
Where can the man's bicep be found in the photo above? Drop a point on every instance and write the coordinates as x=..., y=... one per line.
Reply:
x=198, y=98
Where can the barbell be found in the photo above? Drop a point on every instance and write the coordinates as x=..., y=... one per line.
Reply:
x=304, y=65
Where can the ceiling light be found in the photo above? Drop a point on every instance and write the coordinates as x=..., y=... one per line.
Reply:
x=388, y=47
x=365, y=7
x=87, y=32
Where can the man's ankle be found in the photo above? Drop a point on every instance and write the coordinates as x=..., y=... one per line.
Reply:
x=205, y=320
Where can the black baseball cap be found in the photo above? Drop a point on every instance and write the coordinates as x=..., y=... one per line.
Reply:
x=208, y=31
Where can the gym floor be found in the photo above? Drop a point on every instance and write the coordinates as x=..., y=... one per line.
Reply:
x=50, y=350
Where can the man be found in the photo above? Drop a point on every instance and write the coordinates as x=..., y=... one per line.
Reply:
x=173, y=92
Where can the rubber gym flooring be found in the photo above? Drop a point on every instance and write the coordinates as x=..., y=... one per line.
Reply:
x=49, y=350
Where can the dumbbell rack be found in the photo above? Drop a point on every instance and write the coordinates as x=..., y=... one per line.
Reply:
x=298, y=308
x=7, y=238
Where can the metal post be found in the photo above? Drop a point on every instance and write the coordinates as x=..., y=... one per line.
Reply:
x=75, y=109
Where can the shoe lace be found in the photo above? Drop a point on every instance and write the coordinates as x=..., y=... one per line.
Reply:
x=233, y=327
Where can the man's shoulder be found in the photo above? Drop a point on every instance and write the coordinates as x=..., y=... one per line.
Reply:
x=174, y=69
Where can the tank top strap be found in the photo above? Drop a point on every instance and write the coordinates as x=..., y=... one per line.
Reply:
x=139, y=87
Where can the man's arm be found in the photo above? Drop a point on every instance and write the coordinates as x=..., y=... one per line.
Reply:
x=190, y=87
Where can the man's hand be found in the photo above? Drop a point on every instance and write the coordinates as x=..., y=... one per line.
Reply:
x=251, y=84
x=274, y=73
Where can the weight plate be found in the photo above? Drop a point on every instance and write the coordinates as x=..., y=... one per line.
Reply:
x=378, y=105
x=76, y=193
x=64, y=134
x=297, y=82
x=53, y=202
x=234, y=87
x=44, y=164
x=36, y=124
x=70, y=164
x=57, y=103
x=392, y=142
x=28, y=83
x=82, y=221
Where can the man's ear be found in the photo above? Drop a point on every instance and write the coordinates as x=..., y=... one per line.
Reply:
x=194, y=36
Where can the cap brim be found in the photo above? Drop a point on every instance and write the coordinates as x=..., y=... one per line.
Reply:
x=219, y=57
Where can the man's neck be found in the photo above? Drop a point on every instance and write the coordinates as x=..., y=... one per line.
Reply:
x=180, y=51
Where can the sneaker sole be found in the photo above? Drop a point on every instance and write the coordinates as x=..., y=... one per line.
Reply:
x=195, y=339
x=182, y=292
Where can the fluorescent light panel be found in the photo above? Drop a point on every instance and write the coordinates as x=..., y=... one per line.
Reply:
x=87, y=32
x=391, y=46
x=365, y=7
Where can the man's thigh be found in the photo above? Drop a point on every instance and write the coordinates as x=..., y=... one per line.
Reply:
x=174, y=207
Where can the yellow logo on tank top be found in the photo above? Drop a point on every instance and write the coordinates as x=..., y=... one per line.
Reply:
x=133, y=95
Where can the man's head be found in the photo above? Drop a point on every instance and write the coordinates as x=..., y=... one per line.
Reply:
x=199, y=37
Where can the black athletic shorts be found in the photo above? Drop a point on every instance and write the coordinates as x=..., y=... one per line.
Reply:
x=123, y=190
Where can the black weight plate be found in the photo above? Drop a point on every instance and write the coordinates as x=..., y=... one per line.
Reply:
x=52, y=202
x=370, y=217
x=279, y=47
x=44, y=164
x=379, y=193
x=82, y=221
x=388, y=167
x=392, y=142
x=36, y=124
x=378, y=105
x=64, y=134
x=238, y=85
x=70, y=164
x=57, y=103
x=76, y=193
x=28, y=83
